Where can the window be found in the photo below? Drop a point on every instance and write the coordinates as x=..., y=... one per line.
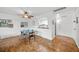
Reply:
x=24, y=24
x=43, y=23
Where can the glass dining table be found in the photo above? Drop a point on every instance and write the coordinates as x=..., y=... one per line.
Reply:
x=30, y=34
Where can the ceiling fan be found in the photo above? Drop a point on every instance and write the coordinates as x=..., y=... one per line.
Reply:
x=25, y=14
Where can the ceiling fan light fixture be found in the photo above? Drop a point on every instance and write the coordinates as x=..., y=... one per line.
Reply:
x=25, y=12
x=31, y=16
x=25, y=16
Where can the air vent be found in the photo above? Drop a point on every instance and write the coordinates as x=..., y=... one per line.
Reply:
x=59, y=9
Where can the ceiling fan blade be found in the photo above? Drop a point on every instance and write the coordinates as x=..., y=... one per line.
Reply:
x=21, y=15
x=30, y=16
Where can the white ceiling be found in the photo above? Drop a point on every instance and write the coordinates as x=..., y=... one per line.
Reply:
x=33, y=10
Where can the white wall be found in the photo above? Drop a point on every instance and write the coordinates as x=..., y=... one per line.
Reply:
x=7, y=32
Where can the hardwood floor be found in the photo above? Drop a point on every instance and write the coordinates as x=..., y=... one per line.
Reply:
x=17, y=44
x=63, y=43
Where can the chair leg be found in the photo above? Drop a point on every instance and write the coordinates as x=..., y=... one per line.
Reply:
x=29, y=39
x=34, y=37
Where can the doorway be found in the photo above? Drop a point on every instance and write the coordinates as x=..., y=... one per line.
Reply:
x=66, y=26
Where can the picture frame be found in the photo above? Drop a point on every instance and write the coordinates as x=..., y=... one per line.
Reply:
x=24, y=24
x=6, y=23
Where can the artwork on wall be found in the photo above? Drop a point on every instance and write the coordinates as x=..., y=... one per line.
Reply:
x=6, y=23
x=24, y=24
